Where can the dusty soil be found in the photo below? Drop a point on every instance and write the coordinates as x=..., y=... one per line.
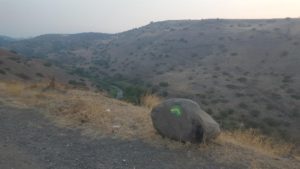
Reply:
x=28, y=140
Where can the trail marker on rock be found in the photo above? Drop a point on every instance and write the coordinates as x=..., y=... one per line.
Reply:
x=176, y=110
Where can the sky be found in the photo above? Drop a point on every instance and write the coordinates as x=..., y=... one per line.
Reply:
x=27, y=18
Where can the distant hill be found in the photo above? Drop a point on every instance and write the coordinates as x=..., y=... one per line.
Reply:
x=245, y=73
x=14, y=67
x=5, y=40
x=61, y=47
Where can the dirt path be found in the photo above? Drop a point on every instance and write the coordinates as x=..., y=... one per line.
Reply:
x=30, y=141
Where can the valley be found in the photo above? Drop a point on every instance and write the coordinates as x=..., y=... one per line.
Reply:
x=245, y=73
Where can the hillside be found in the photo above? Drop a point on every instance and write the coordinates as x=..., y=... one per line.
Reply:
x=61, y=48
x=16, y=68
x=5, y=40
x=245, y=73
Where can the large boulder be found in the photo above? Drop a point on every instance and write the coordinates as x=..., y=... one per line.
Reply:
x=184, y=120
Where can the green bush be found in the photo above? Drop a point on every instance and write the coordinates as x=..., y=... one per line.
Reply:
x=234, y=54
x=296, y=97
x=47, y=64
x=210, y=111
x=243, y=105
x=271, y=122
x=80, y=72
x=102, y=62
x=77, y=83
x=231, y=86
x=287, y=79
x=22, y=76
x=2, y=72
x=284, y=53
x=229, y=124
x=255, y=113
x=163, y=84
x=39, y=74
x=164, y=93
x=14, y=58
x=242, y=79
x=133, y=94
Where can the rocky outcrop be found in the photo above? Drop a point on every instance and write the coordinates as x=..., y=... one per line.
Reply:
x=184, y=120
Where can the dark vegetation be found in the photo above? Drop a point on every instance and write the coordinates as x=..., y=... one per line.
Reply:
x=132, y=89
x=2, y=72
x=23, y=76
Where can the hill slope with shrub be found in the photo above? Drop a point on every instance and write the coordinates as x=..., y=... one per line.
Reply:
x=16, y=68
x=245, y=73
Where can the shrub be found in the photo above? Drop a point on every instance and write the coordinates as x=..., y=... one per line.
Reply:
x=284, y=53
x=77, y=83
x=271, y=122
x=164, y=93
x=243, y=105
x=209, y=111
x=194, y=55
x=2, y=72
x=183, y=40
x=294, y=113
x=164, y=84
x=39, y=74
x=270, y=107
x=228, y=124
x=231, y=86
x=296, y=97
x=255, y=113
x=80, y=72
x=47, y=64
x=22, y=76
x=242, y=79
x=276, y=96
x=14, y=58
x=287, y=79
x=239, y=94
x=234, y=54
x=204, y=102
x=133, y=94
x=102, y=62
x=223, y=114
x=13, y=51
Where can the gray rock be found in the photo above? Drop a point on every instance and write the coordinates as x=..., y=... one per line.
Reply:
x=184, y=120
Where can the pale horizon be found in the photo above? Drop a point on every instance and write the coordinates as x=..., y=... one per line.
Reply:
x=31, y=18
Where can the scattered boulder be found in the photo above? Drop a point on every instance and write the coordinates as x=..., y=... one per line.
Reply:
x=184, y=120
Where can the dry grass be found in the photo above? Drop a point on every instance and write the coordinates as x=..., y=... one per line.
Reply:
x=86, y=109
x=106, y=115
x=97, y=115
x=14, y=88
x=252, y=139
x=150, y=100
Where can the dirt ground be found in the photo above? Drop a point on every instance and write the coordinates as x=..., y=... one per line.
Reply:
x=28, y=140
x=31, y=140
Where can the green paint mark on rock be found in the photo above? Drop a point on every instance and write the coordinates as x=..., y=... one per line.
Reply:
x=176, y=110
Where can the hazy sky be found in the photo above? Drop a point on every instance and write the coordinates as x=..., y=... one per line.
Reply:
x=23, y=18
